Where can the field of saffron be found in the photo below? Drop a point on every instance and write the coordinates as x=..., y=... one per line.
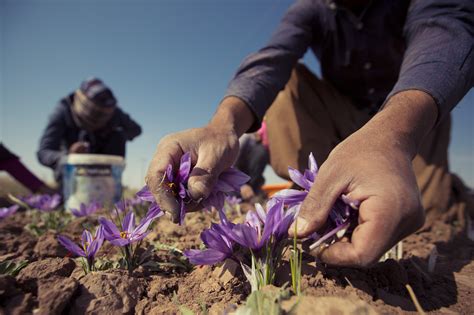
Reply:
x=231, y=258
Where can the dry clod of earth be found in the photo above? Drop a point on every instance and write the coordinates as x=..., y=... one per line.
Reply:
x=48, y=246
x=327, y=305
x=112, y=292
x=54, y=294
x=44, y=269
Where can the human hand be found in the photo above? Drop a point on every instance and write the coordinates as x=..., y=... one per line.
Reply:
x=247, y=192
x=213, y=149
x=79, y=147
x=372, y=166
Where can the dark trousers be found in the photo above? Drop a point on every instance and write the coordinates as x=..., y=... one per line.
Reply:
x=253, y=163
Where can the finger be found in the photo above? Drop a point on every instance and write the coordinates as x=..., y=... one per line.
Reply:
x=168, y=152
x=204, y=175
x=370, y=240
x=317, y=204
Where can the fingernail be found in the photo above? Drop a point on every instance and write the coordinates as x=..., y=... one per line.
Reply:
x=301, y=225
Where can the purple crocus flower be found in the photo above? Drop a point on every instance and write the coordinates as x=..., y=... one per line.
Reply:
x=177, y=184
x=89, y=245
x=45, y=203
x=8, y=211
x=86, y=209
x=260, y=226
x=219, y=247
x=130, y=232
x=260, y=229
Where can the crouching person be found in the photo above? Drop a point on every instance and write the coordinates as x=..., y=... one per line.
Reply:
x=86, y=121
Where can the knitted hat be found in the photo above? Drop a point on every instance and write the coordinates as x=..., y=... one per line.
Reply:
x=98, y=93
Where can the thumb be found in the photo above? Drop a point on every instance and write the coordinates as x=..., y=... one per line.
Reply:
x=204, y=175
x=317, y=204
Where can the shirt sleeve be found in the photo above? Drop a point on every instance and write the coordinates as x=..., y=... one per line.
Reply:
x=49, y=152
x=263, y=74
x=439, y=55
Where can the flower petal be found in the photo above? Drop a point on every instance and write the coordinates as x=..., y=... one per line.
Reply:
x=169, y=173
x=231, y=180
x=128, y=223
x=245, y=235
x=71, y=246
x=184, y=167
x=313, y=165
x=299, y=178
x=145, y=194
x=86, y=238
x=260, y=212
x=110, y=229
x=205, y=257
x=290, y=197
x=213, y=239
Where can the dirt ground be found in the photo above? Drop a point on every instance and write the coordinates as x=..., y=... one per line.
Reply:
x=53, y=283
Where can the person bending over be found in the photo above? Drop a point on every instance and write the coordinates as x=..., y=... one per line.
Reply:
x=86, y=121
x=377, y=121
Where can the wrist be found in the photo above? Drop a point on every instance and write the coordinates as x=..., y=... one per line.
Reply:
x=232, y=116
x=405, y=120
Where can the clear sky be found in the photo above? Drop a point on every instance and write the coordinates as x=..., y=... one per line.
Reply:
x=168, y=62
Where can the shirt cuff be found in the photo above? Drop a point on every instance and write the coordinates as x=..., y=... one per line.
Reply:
x=444, y=82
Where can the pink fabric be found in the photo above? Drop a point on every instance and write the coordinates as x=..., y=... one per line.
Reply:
x=16, y=169
x=262, y=132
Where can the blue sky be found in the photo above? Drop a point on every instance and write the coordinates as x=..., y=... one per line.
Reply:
x=168, y=62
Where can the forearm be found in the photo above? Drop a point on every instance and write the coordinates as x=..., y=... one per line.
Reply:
x=404, y=121
x=49, y=158
x=233, y=116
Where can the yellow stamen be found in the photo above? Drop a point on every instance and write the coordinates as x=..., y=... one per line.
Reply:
x=173, y=188
x=123, y=234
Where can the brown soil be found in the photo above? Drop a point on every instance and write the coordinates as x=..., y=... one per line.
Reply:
x=53, y=283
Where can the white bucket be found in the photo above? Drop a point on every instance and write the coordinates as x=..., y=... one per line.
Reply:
x=92, y=177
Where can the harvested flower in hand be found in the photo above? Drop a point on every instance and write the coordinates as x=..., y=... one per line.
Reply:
x=343, y=212
x=177, y=184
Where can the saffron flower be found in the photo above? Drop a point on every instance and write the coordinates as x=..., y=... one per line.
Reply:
x=177, y=184
x=8, y=211
x=44, y=203
x=343, y=212
x=86, y=209
x=261, y=227
x=89, y=246
x=218, y=247
x=258, y=242
x=130, y=232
